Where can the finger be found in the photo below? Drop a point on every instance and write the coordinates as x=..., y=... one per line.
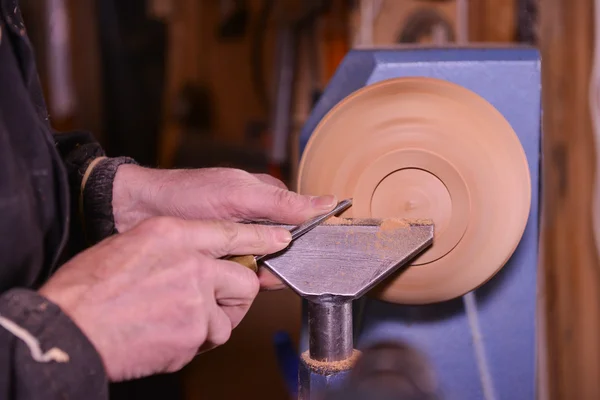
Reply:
x=219, y=329
x=235, y=314
x=270, y=180
x=235, y=301
x=222, y=238
x=268, y=281
x=279, y=205
x=234, y=284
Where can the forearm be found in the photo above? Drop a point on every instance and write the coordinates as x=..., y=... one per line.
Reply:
x=43, y=354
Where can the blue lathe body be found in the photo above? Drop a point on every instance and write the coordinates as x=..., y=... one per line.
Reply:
x=483, y=347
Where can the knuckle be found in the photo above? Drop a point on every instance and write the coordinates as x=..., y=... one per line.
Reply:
x=271, y=180
x=221, y=335
x=160, y=226
x=240, y=173
x=238, y=177
x=288, y=200
x=230, y=231
x=283, y=199
x=261, y=176
x=261, y=236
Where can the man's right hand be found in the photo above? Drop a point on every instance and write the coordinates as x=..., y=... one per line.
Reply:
x=150, y=299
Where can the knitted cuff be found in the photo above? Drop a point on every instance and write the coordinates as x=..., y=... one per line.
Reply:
x=96, y=196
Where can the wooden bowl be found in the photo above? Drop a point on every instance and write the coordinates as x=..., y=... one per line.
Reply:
x=426, y=148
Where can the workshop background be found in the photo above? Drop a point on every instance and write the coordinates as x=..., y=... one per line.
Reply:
x=196, y=83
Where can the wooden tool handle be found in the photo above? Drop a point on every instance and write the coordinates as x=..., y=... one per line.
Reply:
x=246, y=261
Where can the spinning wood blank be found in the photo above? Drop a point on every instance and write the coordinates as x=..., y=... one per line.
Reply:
x=426, y=148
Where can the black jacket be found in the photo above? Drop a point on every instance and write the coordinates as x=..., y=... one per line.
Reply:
x=40, y=179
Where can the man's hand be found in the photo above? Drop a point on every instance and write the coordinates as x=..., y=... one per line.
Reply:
x=150, y=299
x=212, y=193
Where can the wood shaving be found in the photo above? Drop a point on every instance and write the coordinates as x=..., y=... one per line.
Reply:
x=337, y=221
x=397, y=223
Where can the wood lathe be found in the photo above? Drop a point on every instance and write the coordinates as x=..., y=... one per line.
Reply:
x=453, y=136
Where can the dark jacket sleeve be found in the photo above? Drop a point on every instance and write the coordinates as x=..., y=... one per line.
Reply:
x=91, y=208
x=43, y=354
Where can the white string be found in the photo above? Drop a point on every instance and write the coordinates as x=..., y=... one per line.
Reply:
x=469, y=301
x=479, y=347
x=54, y=354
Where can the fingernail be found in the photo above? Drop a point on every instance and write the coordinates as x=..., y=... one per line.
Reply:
x=284, y=236
x=323, y=202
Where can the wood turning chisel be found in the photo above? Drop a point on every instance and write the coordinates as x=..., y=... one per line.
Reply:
x=251, y=261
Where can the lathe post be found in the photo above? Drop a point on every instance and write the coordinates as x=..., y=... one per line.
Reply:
x=331, y=346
